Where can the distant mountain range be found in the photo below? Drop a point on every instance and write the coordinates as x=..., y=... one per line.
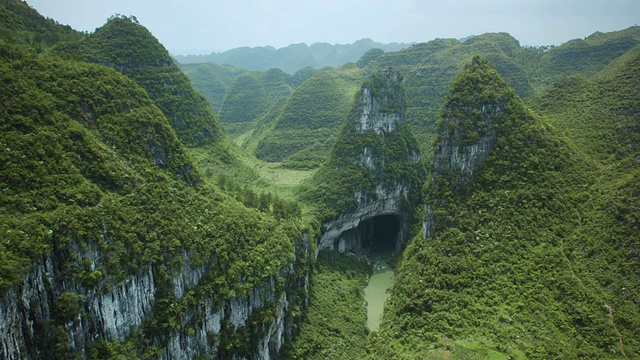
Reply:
x=293, y=57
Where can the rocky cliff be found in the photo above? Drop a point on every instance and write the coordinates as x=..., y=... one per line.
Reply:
x=113, y=245
x=374, y=167
x=473, y=113
x=207, y=327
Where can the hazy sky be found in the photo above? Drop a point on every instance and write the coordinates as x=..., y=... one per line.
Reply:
x=203, y=26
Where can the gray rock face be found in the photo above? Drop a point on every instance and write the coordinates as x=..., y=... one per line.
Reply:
x=464, y=160
x=373, y=119
x=114, y=314
x=460, y=162
x=108, y=315
x=379, y=107
x=340, y=233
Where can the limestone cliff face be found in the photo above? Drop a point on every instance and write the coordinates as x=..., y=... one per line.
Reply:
x=473, y=114
x=341, y=234
x=114, y=314
x=380, y=104
x=378, y=152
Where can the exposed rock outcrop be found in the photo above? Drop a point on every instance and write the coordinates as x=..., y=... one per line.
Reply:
x=26, y=311
x=467, y=135
x=380, y=153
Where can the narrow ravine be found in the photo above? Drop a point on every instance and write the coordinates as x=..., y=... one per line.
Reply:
x=377, y=292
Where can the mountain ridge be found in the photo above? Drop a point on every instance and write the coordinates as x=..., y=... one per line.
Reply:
x=317, y=55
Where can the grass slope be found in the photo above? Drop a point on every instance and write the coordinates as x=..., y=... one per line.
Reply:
x=311, y=116
x=212, y=80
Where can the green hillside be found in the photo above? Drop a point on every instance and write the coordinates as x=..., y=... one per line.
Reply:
x=393, y=154
x=212, y=80
x=129, y=47
x=113, y=167
x=431, y=66
x=249, y=97
x=587, y=56
x=91, y=165
x=311, y=117
x=523, y=262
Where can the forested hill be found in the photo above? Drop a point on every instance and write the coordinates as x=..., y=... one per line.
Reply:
x=134, y=228
x=530, y=247
x=293, y=57
x=128, y=47
x=429, y=68
x=110, y=232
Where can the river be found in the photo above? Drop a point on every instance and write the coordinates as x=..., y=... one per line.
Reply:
x=377, y=292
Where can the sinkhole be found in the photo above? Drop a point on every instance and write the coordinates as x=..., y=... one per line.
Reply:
x=380, y=235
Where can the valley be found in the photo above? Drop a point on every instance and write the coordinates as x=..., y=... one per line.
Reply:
x=452, y=199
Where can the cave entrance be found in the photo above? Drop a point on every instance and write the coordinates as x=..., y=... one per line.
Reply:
x=383, y=240
x=377, y=236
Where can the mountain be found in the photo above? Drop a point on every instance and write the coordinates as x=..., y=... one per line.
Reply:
x=311, y=116
x=128, y=47
x=509, y=200
x=249, y=97
x=212, y=80
x=501, y=183
x=293, y=57
x=118, y=244
x=374, y=153
x=588, y=56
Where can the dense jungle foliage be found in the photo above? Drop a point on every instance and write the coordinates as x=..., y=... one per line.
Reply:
x=249, y=97
x=335, y=325
x=527, y=260
x=212, y=80
x=125, y=45
x=106, y=148
x=312, y=115
x=362, y=160
x=430, y=67
x=90, y=164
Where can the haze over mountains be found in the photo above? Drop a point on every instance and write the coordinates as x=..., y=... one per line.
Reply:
x=293, y=57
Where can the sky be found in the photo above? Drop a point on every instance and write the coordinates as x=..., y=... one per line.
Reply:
x=205, y=26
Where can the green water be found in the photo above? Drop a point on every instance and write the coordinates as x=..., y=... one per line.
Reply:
x=377, y=292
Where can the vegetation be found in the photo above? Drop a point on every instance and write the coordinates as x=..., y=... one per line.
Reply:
x=111, y=164
x=589, y=56
x=335, y=325
x=129, y=47
x=249, y=97
x=212, y=80
x=119, y=171
x=91, y=165
x=393, y=153
x=517, y=263
x=311, y=117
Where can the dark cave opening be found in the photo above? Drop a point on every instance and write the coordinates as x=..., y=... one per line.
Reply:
x=384, y=239
x=377, y=236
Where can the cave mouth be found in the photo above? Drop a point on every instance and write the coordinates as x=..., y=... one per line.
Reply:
x=379, y=236
x=384, y=239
